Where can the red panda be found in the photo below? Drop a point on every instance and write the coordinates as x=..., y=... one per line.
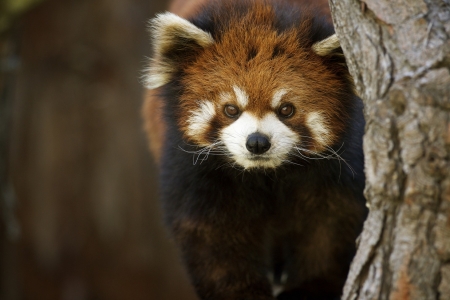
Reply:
x=257, y=131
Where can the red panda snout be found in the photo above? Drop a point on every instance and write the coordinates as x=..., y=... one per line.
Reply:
x=257, y=143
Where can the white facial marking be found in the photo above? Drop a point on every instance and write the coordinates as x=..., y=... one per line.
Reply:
x=282, y=140
x=277, y=97
x=200, y=118
x=241, y=96
x=317, y=124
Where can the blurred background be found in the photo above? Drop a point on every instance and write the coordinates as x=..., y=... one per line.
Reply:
x=79, y=212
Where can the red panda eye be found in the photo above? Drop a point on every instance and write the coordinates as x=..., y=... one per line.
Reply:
x=231, y=111
x=286, y=111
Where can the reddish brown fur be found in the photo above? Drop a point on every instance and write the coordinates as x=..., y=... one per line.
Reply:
x=311, y=84
x=153, y=123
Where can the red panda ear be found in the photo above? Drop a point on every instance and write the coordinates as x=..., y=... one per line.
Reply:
x=174, y=40
x=330, y=48
x=327, y=46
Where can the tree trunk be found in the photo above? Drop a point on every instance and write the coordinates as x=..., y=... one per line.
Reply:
x=399, y=54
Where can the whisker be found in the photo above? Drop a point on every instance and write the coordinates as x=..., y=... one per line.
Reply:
x=293, y=163
x=202, y=154
x=333, y=154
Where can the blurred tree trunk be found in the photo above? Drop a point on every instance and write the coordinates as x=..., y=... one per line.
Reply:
x=9, y=230
x=399, y=54
x=78, y=159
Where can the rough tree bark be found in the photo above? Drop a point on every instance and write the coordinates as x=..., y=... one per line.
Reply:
x=399, y=54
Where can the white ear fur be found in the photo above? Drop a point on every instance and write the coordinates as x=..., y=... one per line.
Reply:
x=171, y=32
x=326, y=46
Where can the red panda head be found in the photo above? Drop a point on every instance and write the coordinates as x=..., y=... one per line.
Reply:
x=253, y=88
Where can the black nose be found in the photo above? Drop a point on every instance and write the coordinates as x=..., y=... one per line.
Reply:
x=257, y=143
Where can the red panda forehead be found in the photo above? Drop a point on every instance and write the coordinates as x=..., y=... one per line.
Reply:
x=259, y=67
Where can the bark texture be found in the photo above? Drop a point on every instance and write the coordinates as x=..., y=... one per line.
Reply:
x=399, y=54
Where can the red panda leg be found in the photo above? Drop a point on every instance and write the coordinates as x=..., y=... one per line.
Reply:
x=316, y=273
x=321, y=250
x=224, y=262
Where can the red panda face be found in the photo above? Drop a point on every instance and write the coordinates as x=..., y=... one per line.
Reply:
x=255, y=95
x=252, y=137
